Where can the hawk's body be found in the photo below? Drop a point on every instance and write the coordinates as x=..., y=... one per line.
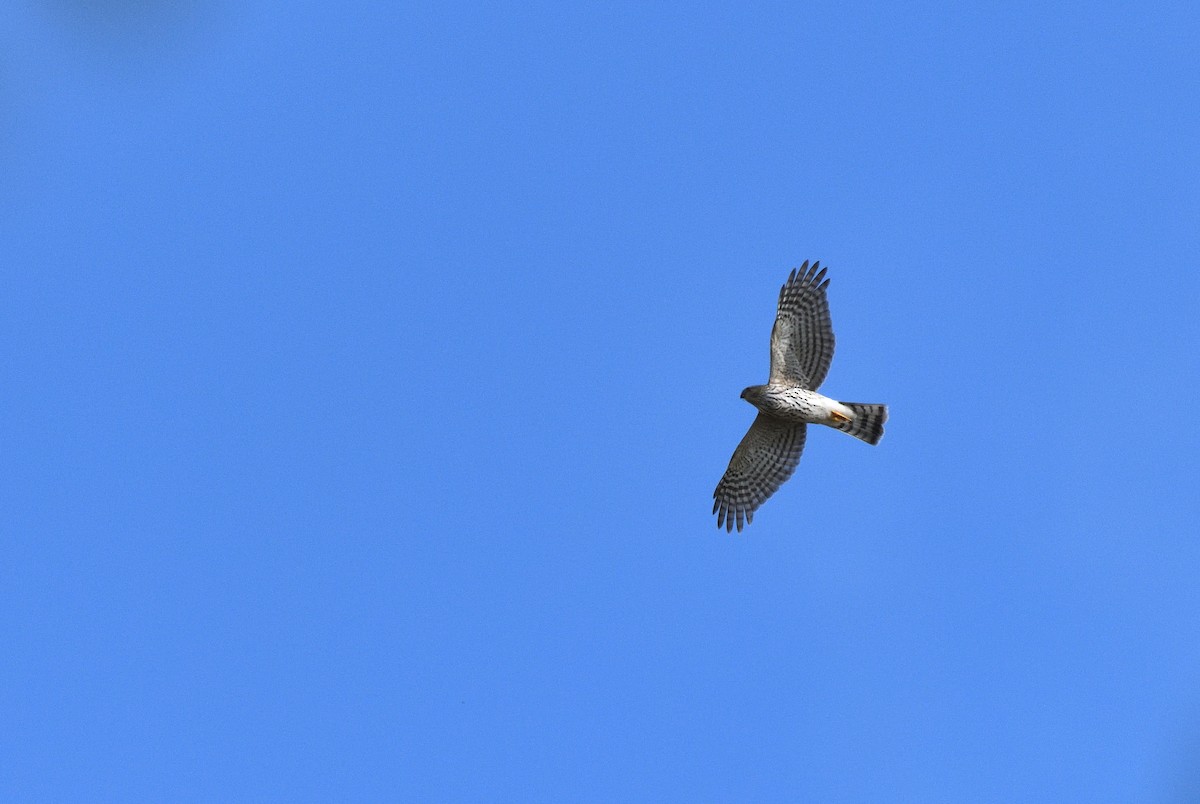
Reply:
x=795, y=404
x=801, y=351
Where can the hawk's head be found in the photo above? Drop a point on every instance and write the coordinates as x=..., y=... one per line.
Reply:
x=753, y=394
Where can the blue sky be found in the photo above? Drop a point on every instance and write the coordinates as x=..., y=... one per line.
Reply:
x=368, y=371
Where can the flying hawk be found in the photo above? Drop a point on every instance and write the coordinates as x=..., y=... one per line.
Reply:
x=801, y=350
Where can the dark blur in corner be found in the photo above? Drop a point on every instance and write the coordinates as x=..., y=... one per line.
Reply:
x=58, y=57
x=134, y=28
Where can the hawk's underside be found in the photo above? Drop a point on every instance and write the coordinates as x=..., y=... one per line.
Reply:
x=801, y=351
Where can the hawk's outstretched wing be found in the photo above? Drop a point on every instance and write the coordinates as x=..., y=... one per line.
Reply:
x=802, y=338
x=766, y=457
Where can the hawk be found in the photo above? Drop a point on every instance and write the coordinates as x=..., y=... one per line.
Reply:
x=801, y=350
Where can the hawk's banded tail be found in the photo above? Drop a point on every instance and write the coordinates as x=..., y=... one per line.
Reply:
x=867, y=423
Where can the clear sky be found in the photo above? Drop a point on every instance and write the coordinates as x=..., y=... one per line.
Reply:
x=368, y=369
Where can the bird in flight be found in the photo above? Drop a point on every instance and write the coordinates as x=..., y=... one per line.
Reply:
x=801, y=350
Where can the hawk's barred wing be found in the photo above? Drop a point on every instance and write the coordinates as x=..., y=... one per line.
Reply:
x=802, y=338
x=766, y=457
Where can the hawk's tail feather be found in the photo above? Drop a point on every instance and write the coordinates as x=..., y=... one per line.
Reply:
x=867, y=423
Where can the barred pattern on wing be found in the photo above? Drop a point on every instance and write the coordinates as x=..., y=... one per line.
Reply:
x=766, y=458
x=802, y=338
